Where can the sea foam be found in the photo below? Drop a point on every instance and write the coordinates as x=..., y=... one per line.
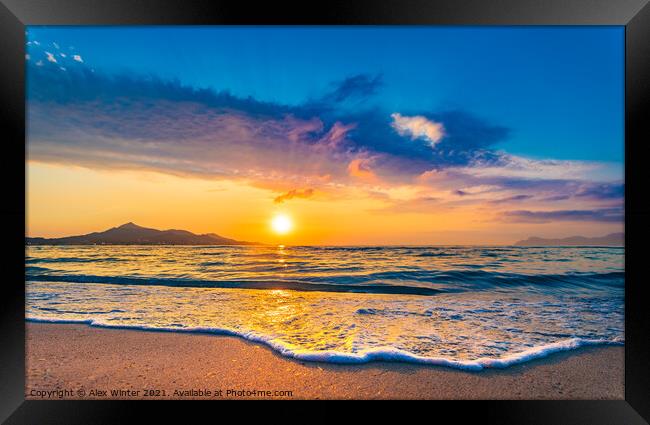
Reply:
x=386, y=354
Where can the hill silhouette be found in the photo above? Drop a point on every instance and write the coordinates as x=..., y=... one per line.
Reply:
x=132, y=234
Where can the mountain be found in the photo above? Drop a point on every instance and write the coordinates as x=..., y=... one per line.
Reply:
x=613, y=239
x=132, y=234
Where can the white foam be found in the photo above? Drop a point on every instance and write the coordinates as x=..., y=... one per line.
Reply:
x=388, y=354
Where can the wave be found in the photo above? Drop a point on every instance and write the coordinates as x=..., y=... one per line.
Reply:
x=387, y=354
x=414, y=282
x=35, y=260
x=243, y=284
x=481, y=277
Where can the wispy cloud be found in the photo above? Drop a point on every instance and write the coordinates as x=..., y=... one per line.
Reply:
x=598, y=215
x=554, y=181
x=420, y=204
x=512, y=166
x=510, y=199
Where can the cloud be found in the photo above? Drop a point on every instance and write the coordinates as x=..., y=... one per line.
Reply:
x=467, y=138
x=601, y=191
x=50, y=57
x=130, y=121
x=512, y=166
x=184, y=138
x=141, y=109
x=597, y=215
x=505, y=178
x=418, y=127
x=336, y=135
x=361, y=169
x=355, y=87
x=294, y=193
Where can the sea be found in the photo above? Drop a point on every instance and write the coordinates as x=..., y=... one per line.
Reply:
x=463, y=307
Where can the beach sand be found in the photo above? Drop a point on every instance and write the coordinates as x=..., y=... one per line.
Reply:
x=82, y=358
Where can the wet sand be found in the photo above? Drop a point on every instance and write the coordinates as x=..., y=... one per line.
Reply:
x=97, y=363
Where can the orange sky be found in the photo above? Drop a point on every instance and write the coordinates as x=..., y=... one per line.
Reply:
x=67, y=200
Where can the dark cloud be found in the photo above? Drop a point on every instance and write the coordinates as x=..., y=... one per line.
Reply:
x=131, y=121
x=461, y=145
x=556, y=198
x=79, y=84
x=515, y=198
x=601, y=191
x=598, y=215
x=355, y=87
x=552, y=189
x=468, y=138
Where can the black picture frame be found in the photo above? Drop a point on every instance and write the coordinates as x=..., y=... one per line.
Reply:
x=633, y=14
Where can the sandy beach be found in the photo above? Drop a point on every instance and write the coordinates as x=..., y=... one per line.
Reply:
x=97, y=363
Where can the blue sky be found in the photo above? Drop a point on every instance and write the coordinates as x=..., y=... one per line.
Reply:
x=559, y=90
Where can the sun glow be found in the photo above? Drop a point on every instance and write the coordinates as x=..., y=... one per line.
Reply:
x=281, y=224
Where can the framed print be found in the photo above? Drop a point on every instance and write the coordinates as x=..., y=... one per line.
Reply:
x=371, y=201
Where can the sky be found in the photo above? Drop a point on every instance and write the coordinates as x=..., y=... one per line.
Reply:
x=361, y=135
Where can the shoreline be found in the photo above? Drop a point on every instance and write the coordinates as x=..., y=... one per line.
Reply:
x=77, y=357
x=372, y=356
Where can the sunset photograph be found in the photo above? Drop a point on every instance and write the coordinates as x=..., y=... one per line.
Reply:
x=312, y=212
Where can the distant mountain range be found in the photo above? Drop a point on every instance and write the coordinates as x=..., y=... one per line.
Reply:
x=613, y=239
x=132, y=234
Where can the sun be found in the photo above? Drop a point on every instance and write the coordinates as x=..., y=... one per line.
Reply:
x=281, y=224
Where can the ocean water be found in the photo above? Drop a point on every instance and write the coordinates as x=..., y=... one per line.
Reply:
x=465, y=307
